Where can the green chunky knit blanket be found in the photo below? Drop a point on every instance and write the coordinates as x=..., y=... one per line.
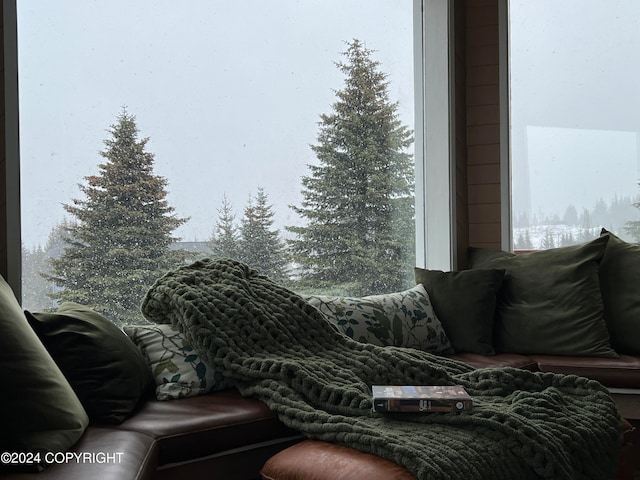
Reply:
x=277, y=348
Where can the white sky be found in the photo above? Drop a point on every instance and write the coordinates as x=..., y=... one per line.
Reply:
x=229, y=92
x=610, y=157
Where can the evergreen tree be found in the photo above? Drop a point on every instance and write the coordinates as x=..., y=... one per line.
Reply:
x=260, y=246
x=570, y=216
x=620, y=211
x=120, y=242
x=36, y=284
x=600, y=213
x=225, y=238
x=632, y=227
x=567, y=239
x=527, y=241
x=523, y=242
x=359, y=200
x=587, y=234
x=585, y=219
x=547, y=241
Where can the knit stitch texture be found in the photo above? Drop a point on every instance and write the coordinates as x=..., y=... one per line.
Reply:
x=277, y=348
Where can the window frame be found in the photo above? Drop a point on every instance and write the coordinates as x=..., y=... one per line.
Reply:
x=506, y=230
x=435, y=146
x=12, y=148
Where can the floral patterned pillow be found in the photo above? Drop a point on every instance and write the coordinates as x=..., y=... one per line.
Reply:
x=178, y=370
x=402, y=319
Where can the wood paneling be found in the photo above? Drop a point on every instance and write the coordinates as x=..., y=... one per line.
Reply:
x=460, y=101
x=483, y=124
x=480, y=154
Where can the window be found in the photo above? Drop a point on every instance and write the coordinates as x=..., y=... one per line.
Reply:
x=434, y=179
x=575, y=133
x=229, y=94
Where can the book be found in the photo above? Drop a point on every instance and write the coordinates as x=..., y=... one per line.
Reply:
x=420, y=398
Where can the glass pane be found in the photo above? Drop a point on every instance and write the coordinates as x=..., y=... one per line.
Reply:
x=243, y=106
x=575, y=133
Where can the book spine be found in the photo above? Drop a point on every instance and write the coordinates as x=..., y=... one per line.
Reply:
x=420, y=405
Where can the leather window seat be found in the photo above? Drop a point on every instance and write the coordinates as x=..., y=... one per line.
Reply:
x=223, y=435
x=218, y=435
x=139, y=458
x=622, y=372
x=317, y=460
x=195, y=427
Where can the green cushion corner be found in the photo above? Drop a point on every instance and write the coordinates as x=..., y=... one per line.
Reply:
x=104, y=367
x=550, y=302
x=620, y=285
x=39, y=410
x=465, y=303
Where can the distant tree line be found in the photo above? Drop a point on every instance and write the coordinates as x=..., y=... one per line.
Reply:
x=616, y=213
x=550, y=231
x=633, y=227
x=358, y=206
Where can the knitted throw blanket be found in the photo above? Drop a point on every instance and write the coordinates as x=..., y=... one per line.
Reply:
x=277, y=348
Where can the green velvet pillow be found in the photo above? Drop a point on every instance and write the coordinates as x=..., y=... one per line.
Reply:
x=465, y=304
x=620, y=285
x=105, y=368
x=550, y=301
x=39, y=412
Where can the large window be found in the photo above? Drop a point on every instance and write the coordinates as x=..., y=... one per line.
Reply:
x=243, y=106
x=575, y=129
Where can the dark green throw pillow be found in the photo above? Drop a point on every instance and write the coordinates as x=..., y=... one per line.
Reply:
x=105, y=368
x=465, y=303
x=620, y=285
x=39, y=412
x=550, y=301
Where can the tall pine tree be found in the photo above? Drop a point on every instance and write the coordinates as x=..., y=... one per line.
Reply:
x=359, y=200
x=120, y=241
x=260, y=246
x=225, y=238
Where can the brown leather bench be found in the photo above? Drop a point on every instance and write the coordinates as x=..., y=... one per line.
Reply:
x=218, y=435
x=318, y=460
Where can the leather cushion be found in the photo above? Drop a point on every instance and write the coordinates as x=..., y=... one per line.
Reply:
x=622, y=372
x=138, y=461
x=514, y=360
x=318, y=460
x=195, y=427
